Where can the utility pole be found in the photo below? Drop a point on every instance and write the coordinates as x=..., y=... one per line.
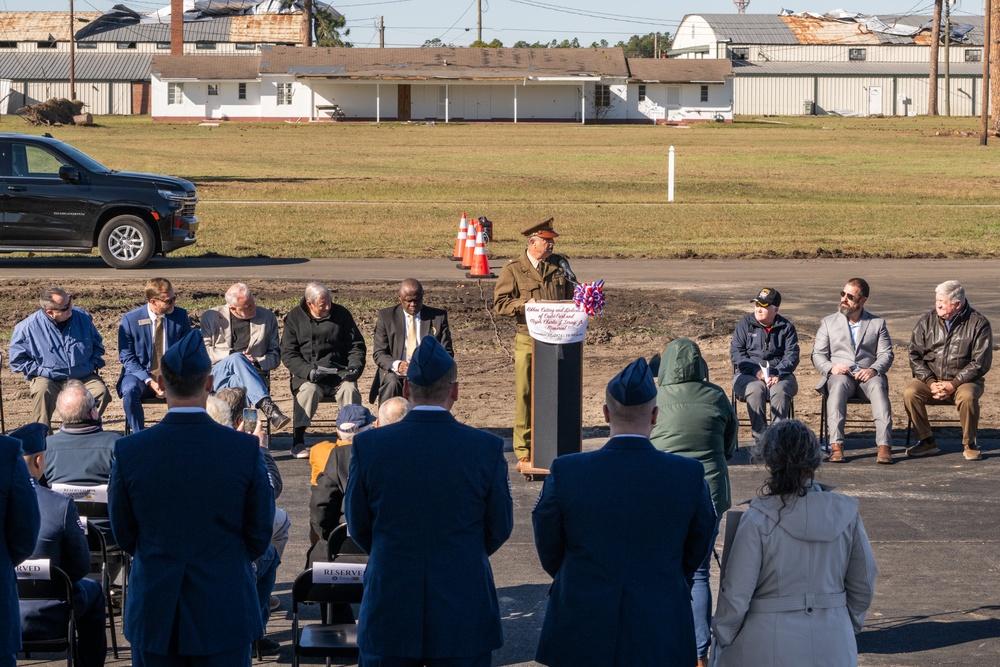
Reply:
x=381, y=32
x=307, y=24
x=932, y=92
x=993, y=96
x=479, y=20
x=985, y=111
x=72, y=54
x=656, y=45
x=947, y=57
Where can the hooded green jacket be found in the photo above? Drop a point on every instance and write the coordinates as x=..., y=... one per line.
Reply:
x=696, y=418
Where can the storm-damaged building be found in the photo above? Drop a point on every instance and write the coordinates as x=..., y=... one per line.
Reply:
x=839, y=62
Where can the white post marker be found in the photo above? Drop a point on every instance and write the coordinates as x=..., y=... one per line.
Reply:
x=670, y=176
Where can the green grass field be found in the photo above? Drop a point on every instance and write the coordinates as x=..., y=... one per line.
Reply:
x=807, y=186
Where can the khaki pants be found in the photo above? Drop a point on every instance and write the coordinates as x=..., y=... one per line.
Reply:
x=44, y=393
x=917, y=396
x=523, y=348
x=309, y=395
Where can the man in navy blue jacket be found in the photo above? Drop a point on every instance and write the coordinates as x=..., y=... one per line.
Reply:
x=429, y=500
x=62, y=541
x=190, y=499
x=19, y=522
x=143, y=336
x=622, y=531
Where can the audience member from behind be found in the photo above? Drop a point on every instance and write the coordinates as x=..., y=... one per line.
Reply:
x=622, y=530
x=63, y=542
x=800, y=575
x=176, y=488
x=429, y=500
x=19, y=523
x=324, y=352
x=57, y=343
x=351, y=420
x=696, y=420
x=242, y=342
x=392, y=410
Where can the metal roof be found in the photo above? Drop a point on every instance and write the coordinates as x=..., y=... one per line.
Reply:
x=679, y=70
x=773, y=29
x=743, y=68
x=255, y=28
x=21, y=66
x=205, y=68
x=443, y=63
x=40, y=26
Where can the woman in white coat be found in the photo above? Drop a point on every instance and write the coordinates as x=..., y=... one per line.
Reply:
x=800, y=576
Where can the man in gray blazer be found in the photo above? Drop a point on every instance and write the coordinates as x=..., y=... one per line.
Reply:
x=853, y=353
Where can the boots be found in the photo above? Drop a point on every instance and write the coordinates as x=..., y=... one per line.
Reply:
x=271, y=411
x=884, y=455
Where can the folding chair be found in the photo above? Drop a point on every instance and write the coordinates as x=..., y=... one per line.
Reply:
x=99, y=556
x=146, y=401
x=745, y=420
x=47, y=583
x=342, y=549
x=953, y=420
x=323, y=640
x=116, y=556
x=824, y=425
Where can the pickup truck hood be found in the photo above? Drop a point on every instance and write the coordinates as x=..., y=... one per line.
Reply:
x=159, y=180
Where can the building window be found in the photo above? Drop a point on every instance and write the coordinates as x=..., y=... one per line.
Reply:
x=704, y=93
x=642, y=92
x=243, y=91
x=8, y=45
x=284, y=94
x=175, y=93
x=245, y=46
x=740, y=53
x=973, y=56
x=857, y=54
x=213, y=89
x=86, y=45
x=47, y=45
x=126, y=45
x=205, y=46
x=163, y=45
x=602, y=96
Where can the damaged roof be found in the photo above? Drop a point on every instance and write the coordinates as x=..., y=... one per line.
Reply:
x=41, y=26
x=679, y=70
x=256, y=28
x=774, y=29
x=443, y=63
x=209, y=68
x=24, y=66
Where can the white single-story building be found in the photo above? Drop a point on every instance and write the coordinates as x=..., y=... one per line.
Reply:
x=440, y=84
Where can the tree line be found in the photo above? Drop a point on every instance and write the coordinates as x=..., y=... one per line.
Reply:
x=636, y=46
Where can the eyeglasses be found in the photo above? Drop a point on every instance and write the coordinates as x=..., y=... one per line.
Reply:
x=850, y=297
x=171, y=301
x=69, y=304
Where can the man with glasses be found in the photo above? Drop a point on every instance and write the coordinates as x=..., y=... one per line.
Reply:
x=535, y=275
x=242, y=342
x=853, y=353
x=143, y=336
x=765, y=354
x=56, y=343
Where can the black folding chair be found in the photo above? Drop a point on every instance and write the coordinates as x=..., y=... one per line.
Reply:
x=323, y=640
x=824, y=425
x=146, y=401
x=99, y=556
x=745, y=420
x=57, y=588
x=341, y=548
x=115, y=555
x=942, y=420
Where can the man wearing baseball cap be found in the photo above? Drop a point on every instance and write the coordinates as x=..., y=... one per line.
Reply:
x=765, y=353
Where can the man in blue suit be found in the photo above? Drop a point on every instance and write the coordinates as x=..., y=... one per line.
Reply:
x=62, y=541
x=429, y=500
x=19, y=522
x=143, y=336
x=622, y=531
x=190, y=499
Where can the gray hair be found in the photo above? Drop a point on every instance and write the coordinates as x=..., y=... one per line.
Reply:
x=75, y=404
x=236, y=292
x=45, y=299
x=392, y=410
x=315, y=291
x=951, y=290
x=219, y=411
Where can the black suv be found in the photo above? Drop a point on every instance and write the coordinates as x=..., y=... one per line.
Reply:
x=57, y=199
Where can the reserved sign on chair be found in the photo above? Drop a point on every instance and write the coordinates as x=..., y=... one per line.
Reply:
x=338, y=573
x=37, y=568
x=91, y=494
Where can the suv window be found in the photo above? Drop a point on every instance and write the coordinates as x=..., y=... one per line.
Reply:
x=34, y=162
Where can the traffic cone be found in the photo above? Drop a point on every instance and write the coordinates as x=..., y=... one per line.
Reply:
x=480, y=265
x=470, y=246
x=463, y=226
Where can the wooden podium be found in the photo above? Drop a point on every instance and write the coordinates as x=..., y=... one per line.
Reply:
x=557, y=330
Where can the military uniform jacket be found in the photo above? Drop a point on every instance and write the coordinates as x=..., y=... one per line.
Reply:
x=622, y=530
x=519, y=282
x=19, y=522
x=190, y=499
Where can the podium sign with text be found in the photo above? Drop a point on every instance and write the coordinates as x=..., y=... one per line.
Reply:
x=558, y=329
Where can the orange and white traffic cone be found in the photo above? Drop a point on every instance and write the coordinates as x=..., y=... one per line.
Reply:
x=470, y=246
x=463, y=227
x=480, y=265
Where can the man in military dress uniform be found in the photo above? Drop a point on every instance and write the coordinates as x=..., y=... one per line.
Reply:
x=536, y=275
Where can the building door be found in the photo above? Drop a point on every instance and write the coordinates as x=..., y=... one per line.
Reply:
x=403, y=101
x=874, y=100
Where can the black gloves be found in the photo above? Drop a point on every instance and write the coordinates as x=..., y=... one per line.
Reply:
x=351, y=374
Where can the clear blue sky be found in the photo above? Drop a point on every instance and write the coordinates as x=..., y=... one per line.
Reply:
x=411, y=22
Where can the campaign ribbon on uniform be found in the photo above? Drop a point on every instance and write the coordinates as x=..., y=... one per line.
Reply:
x=589, y=297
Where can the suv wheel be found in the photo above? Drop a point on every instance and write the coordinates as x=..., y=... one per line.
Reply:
x=126, y=242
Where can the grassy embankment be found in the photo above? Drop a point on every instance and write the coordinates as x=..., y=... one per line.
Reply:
x=851, y=186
